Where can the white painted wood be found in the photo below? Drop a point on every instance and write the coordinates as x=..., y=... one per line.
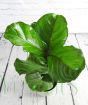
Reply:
x=75, y=11
x=12, y=87
x=82, y=92
x=60, y=3
x=71, y=40
x=31, y=98
x=5, y=48
x=61, y=96
x=81, y=97
x=83, y=43
x=81, y=83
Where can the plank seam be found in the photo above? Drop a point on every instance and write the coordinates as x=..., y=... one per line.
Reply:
x=37, y=97
x=72, y=95
x=21, y=97
x=46, y=100
x=1, y=35
x=77, y=41
x=6, y=69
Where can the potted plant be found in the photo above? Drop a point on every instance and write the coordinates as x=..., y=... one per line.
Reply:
x=49, y=61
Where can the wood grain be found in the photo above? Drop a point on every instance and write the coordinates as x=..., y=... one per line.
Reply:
x=5, y=52
x=75, y=11
x=12, y=87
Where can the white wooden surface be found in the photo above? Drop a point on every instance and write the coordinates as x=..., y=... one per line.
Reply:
x=14, y=90
x=75, y=11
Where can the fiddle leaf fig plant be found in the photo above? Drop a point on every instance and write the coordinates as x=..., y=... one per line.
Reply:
x=49, y=61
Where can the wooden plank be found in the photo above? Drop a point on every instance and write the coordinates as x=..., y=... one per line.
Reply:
x=81, y=96
x=82, y=40
x=12, y=87
x=75, y=11
x=81, y=83
x=9, y=16
x=5, y=52
x=61, y=96
x=32, y=98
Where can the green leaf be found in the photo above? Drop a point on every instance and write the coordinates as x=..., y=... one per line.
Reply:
x=65, y=64
x=71, y=56
x=38, y=59
x=21, y=34
x=36, y=83
x=52, y=29
x=28, y=67
x=46, y=77
x=33, y=24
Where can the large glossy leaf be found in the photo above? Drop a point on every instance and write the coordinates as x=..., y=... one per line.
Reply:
x=71, y=56
x=22, y=34
x=66, y=64
x=52, y=29
x=28, y=67
x=36, y=83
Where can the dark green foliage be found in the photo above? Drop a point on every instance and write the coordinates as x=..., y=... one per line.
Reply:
x=49, y=61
